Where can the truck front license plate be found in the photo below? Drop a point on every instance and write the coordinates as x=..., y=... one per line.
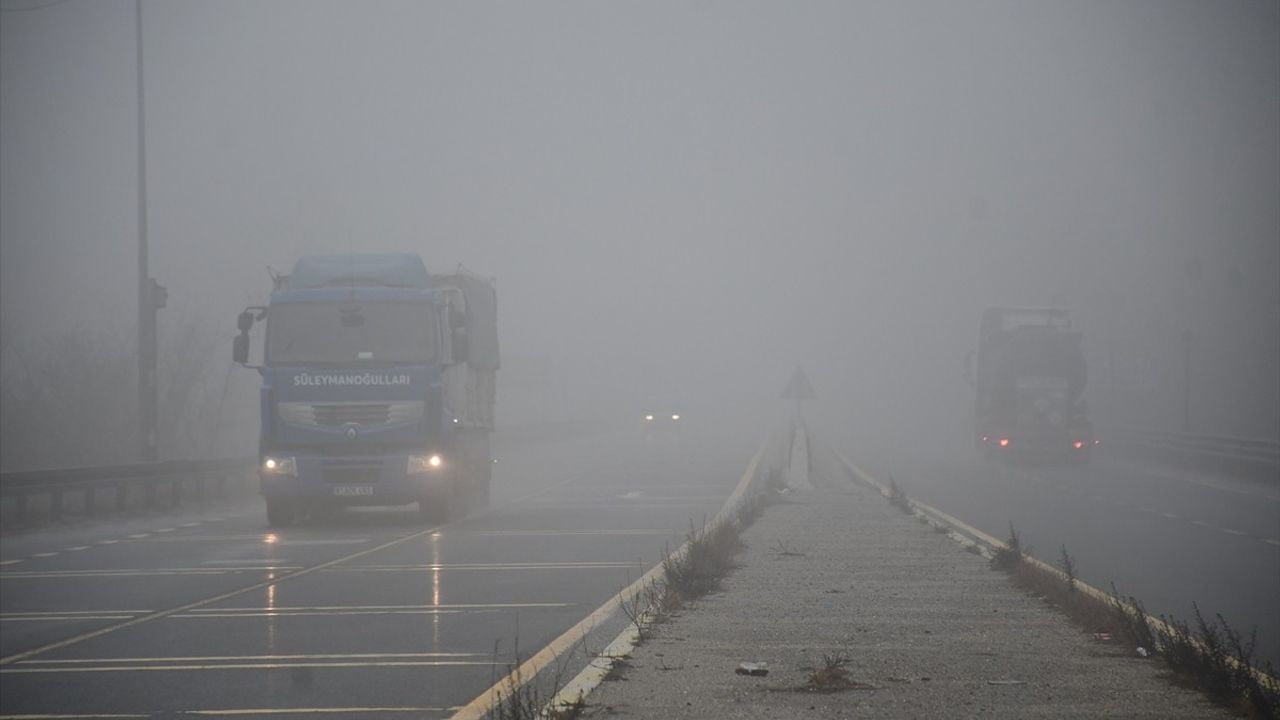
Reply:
x=346, y=490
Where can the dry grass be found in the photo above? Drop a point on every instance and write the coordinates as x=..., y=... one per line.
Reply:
x=1209, y=656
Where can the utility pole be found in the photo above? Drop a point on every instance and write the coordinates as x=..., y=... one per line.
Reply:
x=1186, y=380
x=151, y=296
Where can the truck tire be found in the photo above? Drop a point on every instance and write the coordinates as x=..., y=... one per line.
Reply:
x=280, y=512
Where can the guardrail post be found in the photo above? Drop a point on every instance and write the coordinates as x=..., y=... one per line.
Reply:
x=122, y=496
x=199, y=489
x=20, y=507
x=90, y=499
x=151, y=494
x=175, y=492
x=55, y=504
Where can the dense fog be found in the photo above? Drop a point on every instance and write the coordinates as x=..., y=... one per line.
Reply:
x=681, y=202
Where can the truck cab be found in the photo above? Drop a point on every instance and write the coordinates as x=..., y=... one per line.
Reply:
x=370, y=392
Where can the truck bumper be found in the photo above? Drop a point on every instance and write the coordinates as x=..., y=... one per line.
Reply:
x=353, y=480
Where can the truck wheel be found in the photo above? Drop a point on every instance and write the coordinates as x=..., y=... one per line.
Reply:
x=280, y=512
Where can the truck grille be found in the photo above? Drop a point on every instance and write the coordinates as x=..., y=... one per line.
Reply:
x=346, y=472
x=338, y=414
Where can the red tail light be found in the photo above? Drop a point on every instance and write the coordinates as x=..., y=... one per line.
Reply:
x=1004, y=442
x=1079, y=444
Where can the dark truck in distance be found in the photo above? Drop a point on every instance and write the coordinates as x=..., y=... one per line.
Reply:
x=378, y=385
x=1029, y=384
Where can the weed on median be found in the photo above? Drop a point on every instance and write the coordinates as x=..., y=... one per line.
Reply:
x=897, y=497
x=1209, y=656
x=1012, y=554
x=525, y=698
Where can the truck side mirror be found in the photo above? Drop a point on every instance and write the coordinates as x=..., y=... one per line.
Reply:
x=244, y=321
x=240, y=347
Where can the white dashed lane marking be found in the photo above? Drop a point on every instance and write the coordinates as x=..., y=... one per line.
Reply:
x=1095, y=497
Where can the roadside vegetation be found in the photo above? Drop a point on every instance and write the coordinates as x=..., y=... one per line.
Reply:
x=687, y=574
x=70, y=399
x=1206, y=655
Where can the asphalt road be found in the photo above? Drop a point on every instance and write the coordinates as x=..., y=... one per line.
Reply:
x=1167, y=536
x=370, y=613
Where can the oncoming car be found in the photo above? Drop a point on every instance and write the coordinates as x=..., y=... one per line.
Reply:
x=660, y=421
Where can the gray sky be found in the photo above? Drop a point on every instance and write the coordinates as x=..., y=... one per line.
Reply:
x=715, y=191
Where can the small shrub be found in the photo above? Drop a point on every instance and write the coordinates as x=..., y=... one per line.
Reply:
x=897, y=497
x=1011, y=555
x=1069, y=569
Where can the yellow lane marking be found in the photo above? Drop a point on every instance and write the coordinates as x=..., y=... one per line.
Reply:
x=317, y=711
x=483, y=704
x=249, y=658
x=215, y=599
x=11, y=562
x=245, y=666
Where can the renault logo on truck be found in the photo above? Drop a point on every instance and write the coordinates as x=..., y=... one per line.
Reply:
x=353, y=431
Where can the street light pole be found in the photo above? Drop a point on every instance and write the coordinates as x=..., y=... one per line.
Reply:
x=151, y=296
x=1186, y=380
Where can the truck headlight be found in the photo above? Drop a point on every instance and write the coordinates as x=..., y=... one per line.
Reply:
x=419, y=464
x=273, y=465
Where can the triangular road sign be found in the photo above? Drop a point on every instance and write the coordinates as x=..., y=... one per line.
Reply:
x=798, y=387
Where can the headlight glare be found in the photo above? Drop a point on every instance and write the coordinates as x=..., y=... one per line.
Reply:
x=273, y=465
x=419, y=464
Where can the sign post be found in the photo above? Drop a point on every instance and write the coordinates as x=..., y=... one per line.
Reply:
x=799, y=389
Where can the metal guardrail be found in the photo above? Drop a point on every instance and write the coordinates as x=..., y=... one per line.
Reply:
x=173, y=476
x=1249, y=456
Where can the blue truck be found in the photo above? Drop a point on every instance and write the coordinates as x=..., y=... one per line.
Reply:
x=378, y=386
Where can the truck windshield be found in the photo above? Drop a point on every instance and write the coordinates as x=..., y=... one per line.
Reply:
x=344, y=333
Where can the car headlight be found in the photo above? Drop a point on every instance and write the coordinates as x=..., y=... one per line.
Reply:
x=273, y=465
x=675, y=416
x=648, y=418
x=419, y=464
